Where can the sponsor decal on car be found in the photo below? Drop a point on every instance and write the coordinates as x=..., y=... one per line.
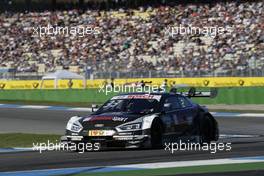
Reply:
x=95, y=118
x=98, y=118
x=87, y=119
x=101, y=132
x=120, y=119
x=139, y=96
x=99, y=125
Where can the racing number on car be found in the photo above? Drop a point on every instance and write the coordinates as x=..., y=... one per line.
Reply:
x=96, y=133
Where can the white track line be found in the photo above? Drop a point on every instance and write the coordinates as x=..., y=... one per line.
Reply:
x=194, y=163
x=33, y=107
x=138, y=166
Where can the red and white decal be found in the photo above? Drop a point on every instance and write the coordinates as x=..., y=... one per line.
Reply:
x=113, y=118
x=138, y=96
x=87, y=119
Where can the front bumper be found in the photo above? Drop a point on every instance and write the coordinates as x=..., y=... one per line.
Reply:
x=138, y=139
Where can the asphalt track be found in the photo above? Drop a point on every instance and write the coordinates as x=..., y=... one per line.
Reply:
x=53, y=122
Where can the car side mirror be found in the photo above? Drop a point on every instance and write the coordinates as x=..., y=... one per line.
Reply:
x=94, y=107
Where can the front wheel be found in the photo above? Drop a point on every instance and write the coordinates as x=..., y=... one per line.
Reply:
x=156, y=134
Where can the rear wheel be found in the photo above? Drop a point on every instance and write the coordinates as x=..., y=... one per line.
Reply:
x=206, y=129
x=156, y=134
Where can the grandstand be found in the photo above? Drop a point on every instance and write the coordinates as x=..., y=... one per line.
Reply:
x=135, y=40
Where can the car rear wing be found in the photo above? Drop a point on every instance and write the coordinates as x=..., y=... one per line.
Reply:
x=194, y=93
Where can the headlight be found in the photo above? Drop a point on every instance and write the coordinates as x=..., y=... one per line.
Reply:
x=74, y=125
x=133, y=126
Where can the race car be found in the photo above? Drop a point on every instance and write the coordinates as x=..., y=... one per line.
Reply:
x=144, y=120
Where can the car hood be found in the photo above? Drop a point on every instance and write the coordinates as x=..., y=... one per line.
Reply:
x=108, y=120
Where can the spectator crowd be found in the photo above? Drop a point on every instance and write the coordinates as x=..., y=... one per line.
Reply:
x=136, y=39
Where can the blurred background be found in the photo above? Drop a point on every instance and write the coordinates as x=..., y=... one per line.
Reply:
x=133, y=42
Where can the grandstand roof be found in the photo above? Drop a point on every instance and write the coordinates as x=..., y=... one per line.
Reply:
x=62, y=74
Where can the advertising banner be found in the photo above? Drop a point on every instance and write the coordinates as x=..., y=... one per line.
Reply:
x=189, y=82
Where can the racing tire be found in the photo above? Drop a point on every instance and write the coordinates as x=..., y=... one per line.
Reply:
x=156, y=134
x=205, y=130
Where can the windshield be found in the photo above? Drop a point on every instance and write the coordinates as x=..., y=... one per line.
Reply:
x=137, y=106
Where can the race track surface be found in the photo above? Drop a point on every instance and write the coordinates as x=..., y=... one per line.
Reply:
x=241, y=173
x=53, y=122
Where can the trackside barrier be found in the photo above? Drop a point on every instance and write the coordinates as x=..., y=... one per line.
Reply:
x=192, y=82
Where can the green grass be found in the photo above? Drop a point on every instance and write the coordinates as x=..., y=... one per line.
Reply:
x=183, y=170
x=238, y=95
x=47, y=103
x=25, y=140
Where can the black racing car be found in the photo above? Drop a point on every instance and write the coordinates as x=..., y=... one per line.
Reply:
x=144, y=120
